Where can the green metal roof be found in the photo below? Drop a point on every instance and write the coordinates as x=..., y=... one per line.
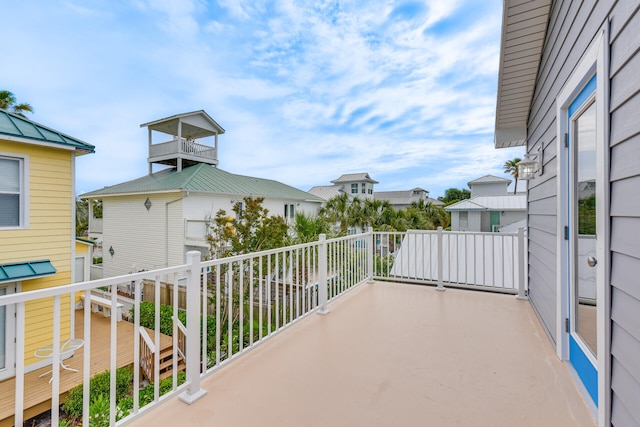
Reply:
x=207, y=179
x=20, y=127
x=26, y=270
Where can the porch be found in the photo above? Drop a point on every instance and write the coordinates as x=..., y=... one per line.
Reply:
x=387, y=353
x=37, y=391
x=395, y=354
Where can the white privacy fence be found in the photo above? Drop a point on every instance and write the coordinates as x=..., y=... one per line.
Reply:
x=492, y=261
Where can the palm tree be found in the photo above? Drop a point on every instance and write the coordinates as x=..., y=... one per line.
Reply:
x=306, y=228
x=511, y=166
x=335, y=211
x=8, y=102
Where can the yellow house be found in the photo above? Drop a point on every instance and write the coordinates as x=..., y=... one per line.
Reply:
x=37, y=229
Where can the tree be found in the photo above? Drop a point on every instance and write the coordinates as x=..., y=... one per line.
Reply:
x=335, y=211
x=453, y=195
x=511, y=166
x=252, y=230
x=8, y=102
x=307, y=228
x=82, y=217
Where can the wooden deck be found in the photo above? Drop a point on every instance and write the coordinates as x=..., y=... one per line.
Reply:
x=37, y=393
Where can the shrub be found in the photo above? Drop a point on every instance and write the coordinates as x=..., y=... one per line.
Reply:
x=147, y=317
x=98, y=385
x=145, y=395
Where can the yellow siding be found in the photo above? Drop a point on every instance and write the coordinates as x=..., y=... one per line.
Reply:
x=48, y=236
x=82, y=248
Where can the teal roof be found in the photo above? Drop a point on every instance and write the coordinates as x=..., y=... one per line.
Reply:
x=207, y=179
x=25, y=270
x=20, y=127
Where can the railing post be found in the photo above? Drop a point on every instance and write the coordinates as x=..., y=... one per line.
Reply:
x=371, y=247
x=440, y=286
x=521, y=261
x=322, y=274
x=193, y=391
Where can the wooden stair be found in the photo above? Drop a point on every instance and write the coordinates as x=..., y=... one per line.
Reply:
x=166, y=363
x=165, y=368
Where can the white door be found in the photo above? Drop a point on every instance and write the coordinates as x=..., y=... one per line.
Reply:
x=7, y=334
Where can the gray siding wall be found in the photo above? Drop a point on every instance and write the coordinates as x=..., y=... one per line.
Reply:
x=625, y=212
x=571, y=28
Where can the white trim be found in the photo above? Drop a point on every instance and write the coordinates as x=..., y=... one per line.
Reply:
x=10, y=331
x=595, y=60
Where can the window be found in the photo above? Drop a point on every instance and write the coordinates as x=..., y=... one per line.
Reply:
x=364, y=188
x=239, y=212
x=12, y=192
x=464, y=220
x=289, y=211
x=354, y=188
x=371, y=191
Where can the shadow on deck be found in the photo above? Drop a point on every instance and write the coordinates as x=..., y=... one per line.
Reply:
x=37, y=391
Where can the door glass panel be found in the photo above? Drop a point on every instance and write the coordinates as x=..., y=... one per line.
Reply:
x=585, y=216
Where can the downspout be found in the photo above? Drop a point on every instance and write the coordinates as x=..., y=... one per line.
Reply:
x=166, y=227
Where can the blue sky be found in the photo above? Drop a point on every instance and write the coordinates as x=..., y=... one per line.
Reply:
x=306, y=90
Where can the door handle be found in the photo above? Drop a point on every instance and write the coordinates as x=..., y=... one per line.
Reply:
x=592, y=261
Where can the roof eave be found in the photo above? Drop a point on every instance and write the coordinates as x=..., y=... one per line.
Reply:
x=524, y=27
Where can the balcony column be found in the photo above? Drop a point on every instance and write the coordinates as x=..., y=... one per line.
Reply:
x=150, y=164
x=215, y=147
x=322, y=274
x=193, y=391
x=440, y=286
x=179, y=160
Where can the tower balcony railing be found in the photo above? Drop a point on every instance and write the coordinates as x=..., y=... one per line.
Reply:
x=182, y=147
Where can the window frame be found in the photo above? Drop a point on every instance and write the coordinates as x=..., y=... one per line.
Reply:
x=23, y=215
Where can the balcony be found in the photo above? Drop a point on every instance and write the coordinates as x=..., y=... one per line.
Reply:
x=386, y=350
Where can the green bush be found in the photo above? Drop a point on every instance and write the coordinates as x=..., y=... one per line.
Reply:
x=99, y=411
x=147, y=317
x=98, y=385
x=145, y=395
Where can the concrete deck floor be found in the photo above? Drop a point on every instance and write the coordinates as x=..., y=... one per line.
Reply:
x=395, y=355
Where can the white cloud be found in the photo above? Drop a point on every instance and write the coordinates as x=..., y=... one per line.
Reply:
x=305, y=90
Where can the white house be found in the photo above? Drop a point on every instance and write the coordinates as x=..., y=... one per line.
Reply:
x=151, y=222
x=490, y=206
x=358, y=185
x=403, y=198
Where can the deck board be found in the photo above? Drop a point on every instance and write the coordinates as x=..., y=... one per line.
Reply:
x=38, y=392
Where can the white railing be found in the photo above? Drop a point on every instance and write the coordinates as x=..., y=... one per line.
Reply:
x=182, y=146
x=251, y=298
x=196, y=229
x=256, y=295
x=488, y=261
